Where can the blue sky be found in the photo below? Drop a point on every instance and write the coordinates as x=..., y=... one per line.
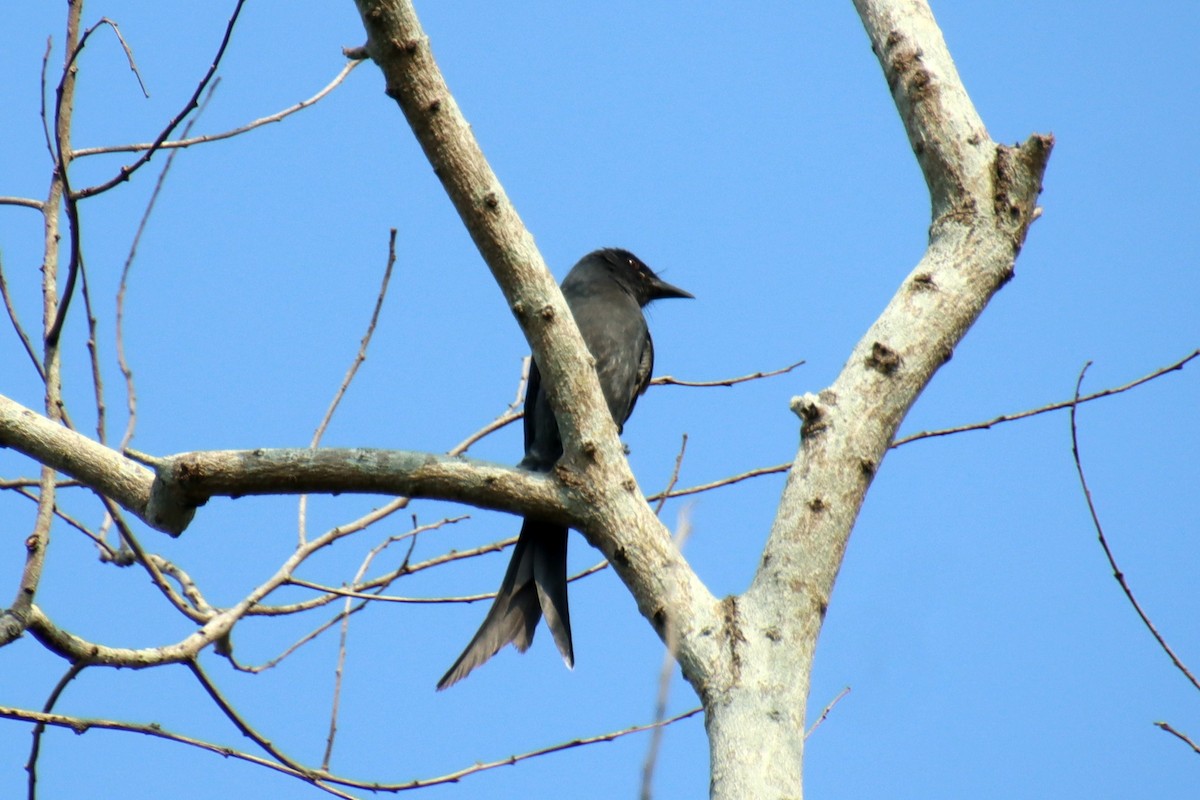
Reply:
x=754, y=158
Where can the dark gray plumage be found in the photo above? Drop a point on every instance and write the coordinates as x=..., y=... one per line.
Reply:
x=606, y=292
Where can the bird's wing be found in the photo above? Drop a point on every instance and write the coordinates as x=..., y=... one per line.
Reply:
x=639, y=380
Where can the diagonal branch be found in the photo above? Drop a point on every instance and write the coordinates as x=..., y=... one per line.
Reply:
x=188, y=141
x=193, y=103
x=983, y=199
x=601, y=487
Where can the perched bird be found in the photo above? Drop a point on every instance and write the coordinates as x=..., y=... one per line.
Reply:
x=606, y=292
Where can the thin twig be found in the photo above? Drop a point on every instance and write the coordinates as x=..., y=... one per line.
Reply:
x=42, y=96
x=107, y=551
x=123, y=284
x=469, y=598
x=976, y=426
x=151, y=565
x=187, y=586
x=667, y=380
x=128, y=52
x=331, y=594
x=504, y=420
x=16, y=323
x=507, y=417
x=671, y=640
x=238, y=722
x=81, y=725
x=666, y=493
x=319, y=778
x=1120, y=576
x=1166, y=726
x=780, y=468
x=93, y=349
x=825, y=712
x=454, y=777
x=704, y=487
x=344, y=635
x=271, y=663
x=184, y=141
x=29, y=483
x=351, y=371
x=363, y=344
x=36, y=747
x=125, y=171
x=64, y=104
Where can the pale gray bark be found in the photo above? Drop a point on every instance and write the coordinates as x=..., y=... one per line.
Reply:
x=983, y=198
x=748, y=657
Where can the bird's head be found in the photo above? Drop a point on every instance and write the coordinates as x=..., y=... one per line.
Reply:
x=631, y=272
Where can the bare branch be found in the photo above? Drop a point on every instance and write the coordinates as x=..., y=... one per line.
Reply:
x=167, y=501
x=71, y=453
x=244, y=727
x=667, y=380
x=364, y=343
x=128, y=52
x=185, y=141
x=1166, y=726
x=502, y=421
x=27, y=202
x=1058, y=406
x=825, y=711
x=196, y=612
x=348, y=609
x=93, y=348
x=662, y=496
x=454, y=777
x=29, y=483
x=74, y=648
x=42, y=101
x=16, y=323
x=192, y=103
x=1112, y=562
x=360, y=593
x=190, y=479
x=36, y=746
x=81, y=725
x=1071, y=404
x=359, y=358
x=107, y=552
x=667, y=670
x=704, y=487
x=983, y=196
x=15, y=619
x=398, y=44
x=594, y=463
x=187, y=587
x=319, y=778
x=123, y=284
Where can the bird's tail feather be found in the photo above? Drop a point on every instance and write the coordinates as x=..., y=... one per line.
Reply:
x=535, y=583
x=550, y=577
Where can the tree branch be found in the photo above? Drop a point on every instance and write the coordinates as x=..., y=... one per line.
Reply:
x=983, y=198
x=102, y=469
x=188, y=480
x=1118, y=574
x=614, y=516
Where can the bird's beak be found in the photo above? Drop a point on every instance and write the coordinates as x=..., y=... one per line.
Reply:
x=663, y=290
